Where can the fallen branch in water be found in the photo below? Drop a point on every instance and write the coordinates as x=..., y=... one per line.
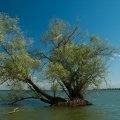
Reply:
x=21, y=99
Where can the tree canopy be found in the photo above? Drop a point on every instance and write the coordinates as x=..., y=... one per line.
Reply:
x=74, y=63
x=15, y=62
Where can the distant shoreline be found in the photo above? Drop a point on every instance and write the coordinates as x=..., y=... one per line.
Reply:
x=108, y=89
x=61, y=90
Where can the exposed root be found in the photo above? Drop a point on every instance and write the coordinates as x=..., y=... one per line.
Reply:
x=75, y=102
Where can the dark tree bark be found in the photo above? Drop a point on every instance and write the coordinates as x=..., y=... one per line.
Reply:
x=44, y=96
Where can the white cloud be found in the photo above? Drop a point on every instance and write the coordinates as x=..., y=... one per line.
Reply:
x=115, y=84
x=44, y=85
x=116, y=55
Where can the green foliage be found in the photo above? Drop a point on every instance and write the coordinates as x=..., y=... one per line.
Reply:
x=7, y=25
x=78, y=63
x=57, y=71
x=15, y=62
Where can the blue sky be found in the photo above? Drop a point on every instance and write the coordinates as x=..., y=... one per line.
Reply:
x=100, y=17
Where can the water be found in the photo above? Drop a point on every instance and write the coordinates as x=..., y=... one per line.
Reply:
x=106, y=106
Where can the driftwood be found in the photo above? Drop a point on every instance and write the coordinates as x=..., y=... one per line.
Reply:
x=14, y=111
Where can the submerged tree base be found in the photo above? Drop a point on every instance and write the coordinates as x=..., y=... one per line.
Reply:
x=75, y=102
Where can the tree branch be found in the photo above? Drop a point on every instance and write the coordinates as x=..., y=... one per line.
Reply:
x=21, y=99
x=64, y=89
x=4, y=48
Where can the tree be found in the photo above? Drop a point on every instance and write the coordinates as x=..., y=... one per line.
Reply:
x=75, y=64
x=72, y=64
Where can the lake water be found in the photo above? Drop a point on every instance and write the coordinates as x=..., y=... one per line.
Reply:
x=106, y=106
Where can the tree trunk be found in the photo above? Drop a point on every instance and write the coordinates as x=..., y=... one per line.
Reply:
x=76, y=98
x=46, y=97
x=74, y=93
x=38, y=90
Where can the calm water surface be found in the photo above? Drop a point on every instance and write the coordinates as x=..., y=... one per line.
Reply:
x=106, y=106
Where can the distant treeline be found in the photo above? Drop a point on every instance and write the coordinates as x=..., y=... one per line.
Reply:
x=109, y=89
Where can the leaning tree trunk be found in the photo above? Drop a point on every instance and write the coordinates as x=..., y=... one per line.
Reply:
x=75, y=99
x=45, y=97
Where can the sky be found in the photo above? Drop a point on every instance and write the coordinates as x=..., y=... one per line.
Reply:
x=99, y=17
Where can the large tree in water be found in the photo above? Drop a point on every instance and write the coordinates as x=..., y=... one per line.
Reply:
x=70, y=63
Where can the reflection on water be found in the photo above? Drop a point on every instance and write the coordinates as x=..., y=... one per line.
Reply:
x=106, y=106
